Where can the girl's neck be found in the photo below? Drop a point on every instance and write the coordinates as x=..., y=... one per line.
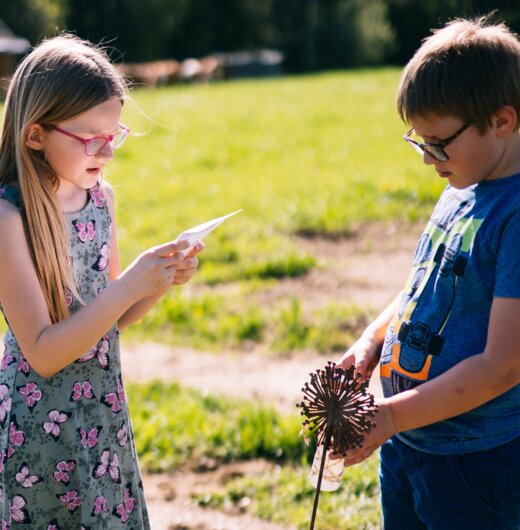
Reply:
x=71, y=198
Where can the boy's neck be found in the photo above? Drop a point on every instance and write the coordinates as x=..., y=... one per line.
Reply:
x=509, y=164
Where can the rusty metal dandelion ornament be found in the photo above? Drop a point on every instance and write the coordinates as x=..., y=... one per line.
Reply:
x=339, y=411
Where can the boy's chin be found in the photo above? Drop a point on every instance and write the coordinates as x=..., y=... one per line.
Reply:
x=460, y=183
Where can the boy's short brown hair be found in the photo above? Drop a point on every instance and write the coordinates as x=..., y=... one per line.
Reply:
x=467, y=69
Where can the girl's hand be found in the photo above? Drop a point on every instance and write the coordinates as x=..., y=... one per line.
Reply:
x=385, y=428
x=188, y=267
x=363, y=354
x=154, y=270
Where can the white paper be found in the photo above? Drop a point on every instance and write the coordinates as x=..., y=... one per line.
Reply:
x=196, y=233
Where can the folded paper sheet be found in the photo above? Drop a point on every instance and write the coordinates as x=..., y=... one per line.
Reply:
x=196, y=233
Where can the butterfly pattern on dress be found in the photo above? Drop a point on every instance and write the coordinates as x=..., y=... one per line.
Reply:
x=80, y=390
x=5, y=403
x=17, y=510
x=23, y=365
x=115, y=400
x=100, y=352
x=7, y=360
x=100, y=505
x=63, y=470
x=16, y=437
x=108, y=465
x=102, y=261
x=98, y=197
x=89, y=438
x=124, y=509
x=32, y=394
x=53, y=427
x=122, y=434
x=71, y=499
x=24, y=477
x=86, y=231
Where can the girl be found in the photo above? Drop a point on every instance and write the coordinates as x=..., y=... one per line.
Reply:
x=67, y=456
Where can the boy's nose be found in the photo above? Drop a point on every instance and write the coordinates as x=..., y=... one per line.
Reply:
x=428, y=159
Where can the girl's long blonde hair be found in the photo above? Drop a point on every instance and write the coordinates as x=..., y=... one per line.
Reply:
x=61, y=78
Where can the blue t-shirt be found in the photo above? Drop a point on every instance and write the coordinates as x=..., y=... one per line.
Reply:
x=468, y=254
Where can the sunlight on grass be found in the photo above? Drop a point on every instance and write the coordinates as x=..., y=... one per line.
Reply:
x=313, y=155
x=176, y=426
x=286, y=496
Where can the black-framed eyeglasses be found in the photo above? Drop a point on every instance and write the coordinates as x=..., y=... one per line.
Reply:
x=96, y=144
x=436, y=151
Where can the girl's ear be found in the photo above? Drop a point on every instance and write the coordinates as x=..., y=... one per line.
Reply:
x=36, y=137
x=505, y=120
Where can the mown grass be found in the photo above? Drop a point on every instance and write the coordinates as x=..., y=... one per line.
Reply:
x=311, y=155
x=175, y=426
x=302, y=155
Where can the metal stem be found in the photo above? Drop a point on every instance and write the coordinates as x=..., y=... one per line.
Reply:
x=320, y=475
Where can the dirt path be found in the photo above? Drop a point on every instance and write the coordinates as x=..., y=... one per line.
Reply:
x=368, y=269
x=171, y=507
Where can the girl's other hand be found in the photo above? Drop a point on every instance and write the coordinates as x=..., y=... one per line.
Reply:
x=185, y=269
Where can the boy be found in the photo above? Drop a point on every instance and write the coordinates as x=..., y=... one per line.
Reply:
x=449, y=424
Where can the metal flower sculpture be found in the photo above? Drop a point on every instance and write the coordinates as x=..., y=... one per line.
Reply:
x=338, y=410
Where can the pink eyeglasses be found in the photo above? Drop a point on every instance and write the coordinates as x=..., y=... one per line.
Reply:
x=96, y=144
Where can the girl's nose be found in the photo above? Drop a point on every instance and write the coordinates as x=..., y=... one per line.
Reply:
x=107, y=152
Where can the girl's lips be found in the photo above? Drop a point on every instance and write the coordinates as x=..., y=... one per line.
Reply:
x=444, y=174
x=93, y=170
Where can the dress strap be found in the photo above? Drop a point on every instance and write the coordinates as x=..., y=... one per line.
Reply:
x=12, y=194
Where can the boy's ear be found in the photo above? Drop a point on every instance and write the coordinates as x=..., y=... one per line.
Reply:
x=505, y=120
x=36, y=135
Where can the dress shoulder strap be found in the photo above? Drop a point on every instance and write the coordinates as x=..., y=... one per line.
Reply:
x=12, y=194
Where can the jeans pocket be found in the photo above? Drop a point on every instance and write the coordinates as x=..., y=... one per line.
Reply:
x=472, y=485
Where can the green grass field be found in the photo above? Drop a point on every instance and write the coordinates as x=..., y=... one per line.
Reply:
x=310, y=155
x=174, y=426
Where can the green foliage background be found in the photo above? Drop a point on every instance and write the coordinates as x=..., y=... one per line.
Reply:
x=312, y=34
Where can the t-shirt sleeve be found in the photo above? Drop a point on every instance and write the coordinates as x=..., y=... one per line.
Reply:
x=507, y=277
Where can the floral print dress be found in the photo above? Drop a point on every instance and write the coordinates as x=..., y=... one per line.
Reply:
x=67, y=455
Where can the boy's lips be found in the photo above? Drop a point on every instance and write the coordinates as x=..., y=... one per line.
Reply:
x=444, y=174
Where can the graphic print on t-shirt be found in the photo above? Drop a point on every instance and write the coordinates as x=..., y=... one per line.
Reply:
x=440, y=260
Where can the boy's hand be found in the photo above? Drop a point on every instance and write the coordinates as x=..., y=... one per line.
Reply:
x=363, y=354
x=385, y=428
x=186, y=268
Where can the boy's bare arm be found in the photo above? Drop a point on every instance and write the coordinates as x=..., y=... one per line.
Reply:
x=467, y=385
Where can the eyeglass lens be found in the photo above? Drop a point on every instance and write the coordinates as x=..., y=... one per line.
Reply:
x=96, y=145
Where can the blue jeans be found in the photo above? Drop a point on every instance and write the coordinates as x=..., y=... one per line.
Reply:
x=472, y=491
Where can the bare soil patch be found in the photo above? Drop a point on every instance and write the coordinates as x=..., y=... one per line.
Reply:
x=171, y=507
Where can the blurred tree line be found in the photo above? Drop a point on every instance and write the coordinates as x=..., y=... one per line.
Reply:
x=312, y=34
